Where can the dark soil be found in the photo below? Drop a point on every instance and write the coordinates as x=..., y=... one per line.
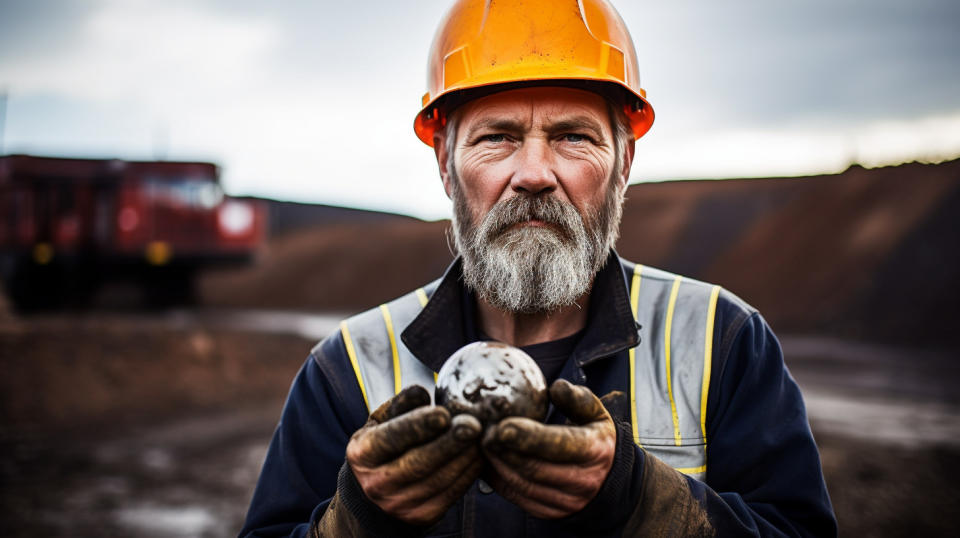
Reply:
x=127, y=424
x=882, y=490
x=107, y=419
x=121, y=428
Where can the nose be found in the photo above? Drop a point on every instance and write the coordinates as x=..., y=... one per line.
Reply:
x=534, y=168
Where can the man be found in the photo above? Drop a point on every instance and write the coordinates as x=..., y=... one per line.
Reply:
x=533, y=111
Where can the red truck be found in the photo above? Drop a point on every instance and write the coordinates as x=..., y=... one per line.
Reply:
x=69, y=225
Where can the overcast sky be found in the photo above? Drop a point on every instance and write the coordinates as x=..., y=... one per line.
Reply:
x=314, y=101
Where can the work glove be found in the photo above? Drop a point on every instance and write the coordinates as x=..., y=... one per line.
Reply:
x=412, y=459
x=552, y=471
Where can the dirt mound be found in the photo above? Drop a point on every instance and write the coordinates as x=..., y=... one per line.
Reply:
x=866, y=254
x=71, y=374
x=343, y=267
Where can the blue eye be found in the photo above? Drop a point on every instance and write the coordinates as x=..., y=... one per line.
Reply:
x=574, y=137
x=494, y=138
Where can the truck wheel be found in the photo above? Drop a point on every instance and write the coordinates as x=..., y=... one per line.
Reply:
x=169, y=287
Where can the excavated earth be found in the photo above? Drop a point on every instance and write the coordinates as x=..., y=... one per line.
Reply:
x=139, y=427
x=123, y=422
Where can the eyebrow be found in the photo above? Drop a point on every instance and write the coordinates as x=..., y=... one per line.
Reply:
x=495, y=124
x=512, y=126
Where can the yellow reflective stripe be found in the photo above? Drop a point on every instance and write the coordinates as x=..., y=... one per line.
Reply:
x=708, y=359
x=633, y=396
x=635, y=289
x=422, y=296
x=666, y=337
x=397, y=380
x=348, y=342
x=692, y=470
x=634, y=300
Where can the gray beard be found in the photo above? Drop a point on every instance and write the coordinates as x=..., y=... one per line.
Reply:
x=534, y=269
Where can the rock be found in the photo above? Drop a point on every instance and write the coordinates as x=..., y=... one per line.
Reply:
x=491, y=381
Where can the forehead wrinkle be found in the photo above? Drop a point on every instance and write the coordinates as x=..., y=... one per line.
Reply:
x=486, y=114
x=580, y=121
x=530, y=110
x=554, y=116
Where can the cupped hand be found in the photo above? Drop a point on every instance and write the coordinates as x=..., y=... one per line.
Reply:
x=412, y=459
x=552, y=471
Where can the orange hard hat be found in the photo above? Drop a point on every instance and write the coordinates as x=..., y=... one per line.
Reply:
x=482, y=45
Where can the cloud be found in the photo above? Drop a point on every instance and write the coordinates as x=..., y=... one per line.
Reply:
x=768, y=152
x=314, y=100
x=39, y=27
x=157, y=53
x=750, y=62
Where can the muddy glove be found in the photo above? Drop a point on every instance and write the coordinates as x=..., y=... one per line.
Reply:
x=553, y=471
x=412, y=460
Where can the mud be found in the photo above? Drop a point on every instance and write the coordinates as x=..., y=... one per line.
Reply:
x=135, y=426
x=191, y=476
x=126, y=424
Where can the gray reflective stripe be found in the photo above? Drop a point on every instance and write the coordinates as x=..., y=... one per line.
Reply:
x=373, y=354
x=654, y=423
x=688, y=459
x=413, y=372
x=667, y=413
x=374, y=334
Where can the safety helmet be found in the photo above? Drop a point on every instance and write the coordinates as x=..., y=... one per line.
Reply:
x=483, y=45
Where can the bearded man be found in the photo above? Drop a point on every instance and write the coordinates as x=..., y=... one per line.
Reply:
x=701, y=431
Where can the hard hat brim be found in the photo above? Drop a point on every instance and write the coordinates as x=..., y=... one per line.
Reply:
x=433, y=116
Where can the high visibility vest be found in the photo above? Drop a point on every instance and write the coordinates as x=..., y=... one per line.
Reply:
x=669, y=369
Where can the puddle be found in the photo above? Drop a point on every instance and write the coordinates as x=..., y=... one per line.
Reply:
x=905, y=423
x=167, y=521
x=309, y=326
x=157, y=459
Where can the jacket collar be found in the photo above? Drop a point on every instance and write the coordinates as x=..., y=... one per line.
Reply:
x=441, y=327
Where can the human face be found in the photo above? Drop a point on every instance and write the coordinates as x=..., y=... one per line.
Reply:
x=533, y=250
x=541, y=140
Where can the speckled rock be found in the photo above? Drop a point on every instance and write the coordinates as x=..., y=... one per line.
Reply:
x=491, y=381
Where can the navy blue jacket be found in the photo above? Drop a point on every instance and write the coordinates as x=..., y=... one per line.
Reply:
x=763, y=479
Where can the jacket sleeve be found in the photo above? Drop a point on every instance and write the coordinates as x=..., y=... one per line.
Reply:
x=763, y=470
x=763, y=467
x=299, y=476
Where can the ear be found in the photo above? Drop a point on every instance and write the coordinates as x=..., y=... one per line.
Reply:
x=440, y=150
x=627, y=163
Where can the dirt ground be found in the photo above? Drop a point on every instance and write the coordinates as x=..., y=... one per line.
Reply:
x=156, y=426
x=890, y=490
x=133, y=424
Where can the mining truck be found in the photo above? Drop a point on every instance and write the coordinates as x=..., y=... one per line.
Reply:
x=68, y=226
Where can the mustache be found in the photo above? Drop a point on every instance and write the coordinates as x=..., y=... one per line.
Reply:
x=549, y=209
